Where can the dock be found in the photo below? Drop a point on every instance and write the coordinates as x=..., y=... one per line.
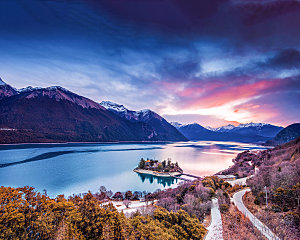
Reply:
x=181, y=178
x=194, y=176
x=188, y=175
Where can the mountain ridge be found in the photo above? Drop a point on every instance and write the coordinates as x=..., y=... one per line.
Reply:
x=55, y=114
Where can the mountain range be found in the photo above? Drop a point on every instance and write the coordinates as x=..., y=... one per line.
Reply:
x=250, y=132
x=54, y=114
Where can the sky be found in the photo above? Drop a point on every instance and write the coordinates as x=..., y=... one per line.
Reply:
x=213, y=62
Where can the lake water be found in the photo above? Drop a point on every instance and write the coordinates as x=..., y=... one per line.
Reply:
x=77, y=168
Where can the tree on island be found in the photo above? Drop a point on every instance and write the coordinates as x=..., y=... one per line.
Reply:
x=159, y=167
x=169, y=162
x=142, y=163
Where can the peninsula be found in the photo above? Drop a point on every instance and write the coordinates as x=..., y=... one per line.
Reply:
x=161, y=169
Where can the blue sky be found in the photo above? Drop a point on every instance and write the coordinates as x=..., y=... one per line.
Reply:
x=214, y=62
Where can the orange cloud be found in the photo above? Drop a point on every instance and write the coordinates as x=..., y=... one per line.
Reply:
x=221, y=94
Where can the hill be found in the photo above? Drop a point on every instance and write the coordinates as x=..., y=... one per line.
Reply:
x=285, y=135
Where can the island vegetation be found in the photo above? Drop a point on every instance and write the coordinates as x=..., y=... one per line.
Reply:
x=164, y=168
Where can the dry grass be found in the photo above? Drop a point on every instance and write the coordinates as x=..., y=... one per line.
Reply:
x=237, y=227
x=275, y=221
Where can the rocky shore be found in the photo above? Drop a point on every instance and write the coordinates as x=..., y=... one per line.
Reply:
x=158, y=174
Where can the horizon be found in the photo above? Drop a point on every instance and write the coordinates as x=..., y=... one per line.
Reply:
x=215, y=63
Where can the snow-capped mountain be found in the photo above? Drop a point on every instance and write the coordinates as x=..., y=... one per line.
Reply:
x=257, y=125
x=222, y=129
x=159, y=125
x=249, y=132
x=176, y=124
x=55, y=114
x=59, y=93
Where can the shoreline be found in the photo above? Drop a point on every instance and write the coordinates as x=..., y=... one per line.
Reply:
x=65, y=143
x=121, y=142
x=157, y=174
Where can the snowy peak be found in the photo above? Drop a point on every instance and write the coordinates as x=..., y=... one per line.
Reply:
x=176, y=124
x=142, y=115
x=1, y=82
x=222, y=129
x=113, y=106
x=193, y=125
x=28, y=89
x=241, y=126
x=252, y=125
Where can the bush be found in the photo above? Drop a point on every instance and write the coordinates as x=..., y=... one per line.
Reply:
x=292, y=218
x=224, y=208
x=276, y=208
x=256, y=201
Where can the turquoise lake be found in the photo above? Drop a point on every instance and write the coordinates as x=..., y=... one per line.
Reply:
x=80, y=167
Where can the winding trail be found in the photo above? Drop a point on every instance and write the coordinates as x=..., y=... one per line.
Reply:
x=238, y=201
x=215, y=229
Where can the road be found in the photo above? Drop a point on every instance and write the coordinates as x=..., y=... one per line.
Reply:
x=238, y=201
x=215, y=230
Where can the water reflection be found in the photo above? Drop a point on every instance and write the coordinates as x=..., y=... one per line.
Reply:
x=165, y=181
x=77, y=168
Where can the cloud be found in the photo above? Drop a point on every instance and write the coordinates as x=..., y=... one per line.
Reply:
x=255, y=11
x=286, y=58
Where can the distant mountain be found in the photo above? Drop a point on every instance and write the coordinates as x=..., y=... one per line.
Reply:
x=222, y=129
x=55, y=114
x=260, y=129
x=195, y=131
x=161, y=128
x=285, y=135
x=251, y=132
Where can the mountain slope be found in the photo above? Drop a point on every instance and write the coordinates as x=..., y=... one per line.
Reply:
x=285, y=135
x=161, y=128
x=55, y=114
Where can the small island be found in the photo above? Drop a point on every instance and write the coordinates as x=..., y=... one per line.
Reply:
x=164, y=168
